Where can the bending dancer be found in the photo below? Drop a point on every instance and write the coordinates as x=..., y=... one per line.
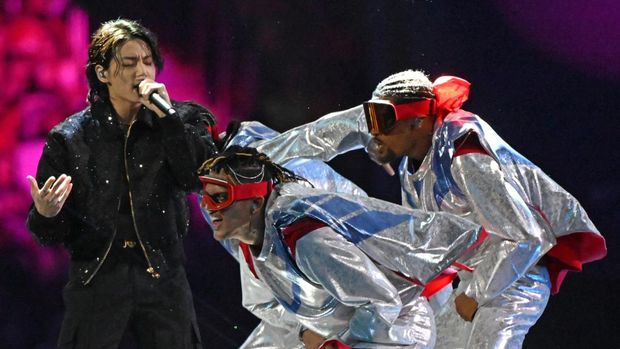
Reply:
x=111, y=186
x=454, y=162
x=347, y=268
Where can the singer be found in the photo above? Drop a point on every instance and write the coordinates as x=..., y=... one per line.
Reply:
x=111, y=187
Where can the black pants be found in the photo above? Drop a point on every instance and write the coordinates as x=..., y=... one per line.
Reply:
x=124, y=297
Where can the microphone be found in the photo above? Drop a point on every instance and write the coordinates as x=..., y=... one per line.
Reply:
x=161, y=103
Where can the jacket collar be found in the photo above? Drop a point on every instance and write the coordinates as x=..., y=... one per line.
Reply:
x=107, y=116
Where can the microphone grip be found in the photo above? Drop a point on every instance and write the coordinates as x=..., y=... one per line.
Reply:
x=161, y=103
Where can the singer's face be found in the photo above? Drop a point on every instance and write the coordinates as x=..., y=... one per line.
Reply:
x=133, y=63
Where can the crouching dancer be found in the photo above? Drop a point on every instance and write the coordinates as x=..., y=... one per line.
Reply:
x=336, y=269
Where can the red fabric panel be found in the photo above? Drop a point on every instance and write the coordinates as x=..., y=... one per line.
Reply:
x=447, y=276
x=247, y=255
x=450, y=92
x=570, y=253
x=483, y=235
x=335, y=342
x=412, y=280
x=468, y=143
x=444, y=279
x=299, y=229
x=463, y=267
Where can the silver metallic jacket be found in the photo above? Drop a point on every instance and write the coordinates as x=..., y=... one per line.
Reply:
x=346, y=279
x=526, y=212
x=363, y=302
x=505, y=192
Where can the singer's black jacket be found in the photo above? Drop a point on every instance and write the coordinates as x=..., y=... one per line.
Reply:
x=162, y=156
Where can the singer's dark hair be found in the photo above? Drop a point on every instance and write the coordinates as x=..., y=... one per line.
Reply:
x=104, y=47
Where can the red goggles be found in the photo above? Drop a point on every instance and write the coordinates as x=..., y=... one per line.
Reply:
x=232, y=193
x=382, y=115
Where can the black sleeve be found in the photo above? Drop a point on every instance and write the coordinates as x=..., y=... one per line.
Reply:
x=188, y=142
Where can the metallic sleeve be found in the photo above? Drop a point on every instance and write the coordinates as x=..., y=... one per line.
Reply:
x=415, y=243
x=258, y=299
x=321, y=175
x=502, y=211
x=323, y=139
x=380, y=316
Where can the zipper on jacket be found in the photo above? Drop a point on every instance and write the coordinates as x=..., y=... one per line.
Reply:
x=107, y=251
x=150, y=268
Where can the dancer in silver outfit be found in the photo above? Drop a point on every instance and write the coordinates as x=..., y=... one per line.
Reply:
x=454, y=162
x=350, y=269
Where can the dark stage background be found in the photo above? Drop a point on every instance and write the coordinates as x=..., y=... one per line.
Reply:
x=545, y=75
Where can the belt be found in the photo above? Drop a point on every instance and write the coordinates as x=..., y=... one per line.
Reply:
x=128, y=243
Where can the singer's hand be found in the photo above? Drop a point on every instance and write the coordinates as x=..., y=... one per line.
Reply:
x=52, y=196
x=148, y=86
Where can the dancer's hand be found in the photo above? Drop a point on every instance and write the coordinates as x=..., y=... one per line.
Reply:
x=49, y=200
x=313, y=340
x=466, y=306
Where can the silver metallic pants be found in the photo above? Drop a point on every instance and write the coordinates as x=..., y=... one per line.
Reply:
x=503, y=322
x=266, y=336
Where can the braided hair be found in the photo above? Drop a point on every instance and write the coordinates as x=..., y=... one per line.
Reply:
x=247, y=165
x=408, y=84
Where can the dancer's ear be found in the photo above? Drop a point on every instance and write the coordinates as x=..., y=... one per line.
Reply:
x=257, y=204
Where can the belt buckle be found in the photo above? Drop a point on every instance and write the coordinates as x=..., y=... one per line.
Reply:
x=129, y=244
